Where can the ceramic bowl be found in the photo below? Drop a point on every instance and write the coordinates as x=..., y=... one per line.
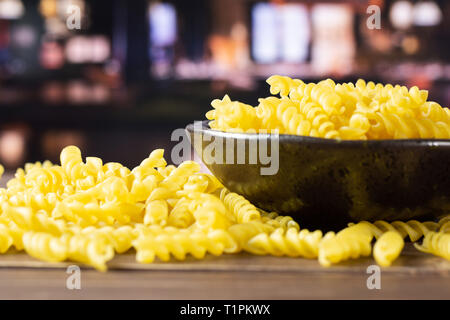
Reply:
x=326, y=183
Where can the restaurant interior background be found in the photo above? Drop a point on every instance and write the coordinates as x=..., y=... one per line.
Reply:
x=137, y=70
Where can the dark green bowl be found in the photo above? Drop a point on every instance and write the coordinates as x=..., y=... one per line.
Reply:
x=326, y=183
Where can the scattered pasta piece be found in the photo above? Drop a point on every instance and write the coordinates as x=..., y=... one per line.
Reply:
x=437, y=243
x=412, y=229
x=349, y=243
x=387, y=248
x=288, y=242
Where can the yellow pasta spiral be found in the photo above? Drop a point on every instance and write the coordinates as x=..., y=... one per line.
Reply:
x=267, y=112
x=72, y=163
x=437, y=243
x=387, y=248
x=243, y=232
x=164, y=243
x=181, y=216
x=88, y=249
x=26, y=219
x=229, y=113
x=401, y=127
x=350, y=243
x=282, y=85
x=242, y=209
x=292, y=121
x=284, y=222
x=156, y=212
x=120, y=238
x=45, y=246
x=413, y=228
x=288, y=242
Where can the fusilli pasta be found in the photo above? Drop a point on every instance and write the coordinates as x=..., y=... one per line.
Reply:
x=437, y=243
x=87, y=211
x=387, y=248
x=325, y=109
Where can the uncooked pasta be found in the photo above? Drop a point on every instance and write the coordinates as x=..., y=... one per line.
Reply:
x=437, y=243
x=387, y=248
x=350, y=243
x=89, y=211
x=351, y=111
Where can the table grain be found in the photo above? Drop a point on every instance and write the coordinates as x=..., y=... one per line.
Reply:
x=413, y=276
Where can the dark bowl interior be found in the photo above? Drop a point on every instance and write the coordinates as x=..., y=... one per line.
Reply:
x=325, y=183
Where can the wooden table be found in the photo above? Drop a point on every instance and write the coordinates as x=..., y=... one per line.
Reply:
x=414, y=276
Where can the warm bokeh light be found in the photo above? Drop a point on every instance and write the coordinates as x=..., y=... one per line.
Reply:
x=12, y=147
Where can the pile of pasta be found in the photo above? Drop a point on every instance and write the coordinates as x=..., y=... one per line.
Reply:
x=87, y=211
x=359, y=111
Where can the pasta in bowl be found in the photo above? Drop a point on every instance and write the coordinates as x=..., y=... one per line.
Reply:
x=336, y=161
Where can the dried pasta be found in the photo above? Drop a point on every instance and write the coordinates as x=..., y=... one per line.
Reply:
x=355, y=111
x=412, y=229
x=86, y=211
x=290, y=242
x=387, y=248
x=166, y=242
x=242, y=209
x=349, y=243
x=89, y=211
x=437, y=243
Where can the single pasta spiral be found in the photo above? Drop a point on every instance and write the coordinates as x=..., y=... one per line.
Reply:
x=242, y=209
x=25, y=218
x=349, y=243
x=156, y=212
x=229, y=113
x=45, y=246
x=288, y=242
x=292, y=121
x=181, y=216
x=282, y=85
x=322, y=126
x=284, y=222
x=89, y=249
x=412, y=229
x=243, y=232
x=387, y=248
x=437, y=243
x=167, y=242
x=269, y=114
x=120, y=238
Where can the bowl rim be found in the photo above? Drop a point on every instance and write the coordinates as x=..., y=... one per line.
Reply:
x=205, y=128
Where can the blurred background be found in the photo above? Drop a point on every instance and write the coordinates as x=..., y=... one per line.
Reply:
x=116, y=77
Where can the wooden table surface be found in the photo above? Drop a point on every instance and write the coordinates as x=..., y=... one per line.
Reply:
x=414, y=276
